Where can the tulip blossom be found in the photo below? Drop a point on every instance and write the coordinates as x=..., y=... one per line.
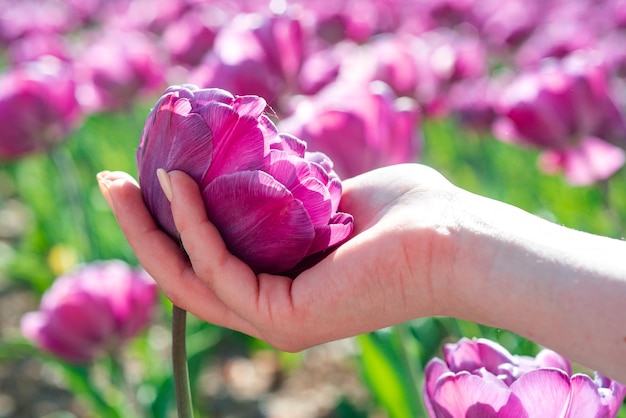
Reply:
x=38, y=107
x=91, y=310
x=359, y=126
x=274, y=204
x=565, y=109
x=479, y=378
x=255, y=54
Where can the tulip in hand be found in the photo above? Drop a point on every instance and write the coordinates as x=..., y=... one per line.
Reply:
x=275, y=205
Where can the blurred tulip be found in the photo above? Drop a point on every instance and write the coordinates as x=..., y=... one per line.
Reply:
x=91, y=310
x=444, y=57
x=189, y=38
x=353, y=20
x=36, y=46
x=480, y=378
x=38, y=107
x=566, y=109
x=274, y=204
x=506, y=24
x=25, y=17
x=359, y=126
x=116, y=69
x=386, y=57
x=255, y=54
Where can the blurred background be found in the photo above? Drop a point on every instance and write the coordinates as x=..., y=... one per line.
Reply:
x=519, y=100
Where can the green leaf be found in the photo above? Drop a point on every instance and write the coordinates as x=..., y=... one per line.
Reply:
x=387, y=378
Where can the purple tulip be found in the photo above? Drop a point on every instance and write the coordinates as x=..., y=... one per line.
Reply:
x=38, y=107
x=359, y=126
x=91, y=310
x=480, y=378
x=565, y=109
x=274, y=204
x=255, y=54
x=190, y=37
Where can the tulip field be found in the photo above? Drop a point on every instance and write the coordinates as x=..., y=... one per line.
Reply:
x=522, y=101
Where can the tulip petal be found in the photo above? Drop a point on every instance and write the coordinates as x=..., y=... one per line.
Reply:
x=238, y=143
x=252, y=106
x=473, y=354
x=549, y=358
x=336, y=232
x=175, y=140
x=296, y=175
x=432, y=372
x=202, y=97
x=612, y=393
x=466, y=395
x=543, y=392
x=260, y=220
x=585, y=402
x=291, y=145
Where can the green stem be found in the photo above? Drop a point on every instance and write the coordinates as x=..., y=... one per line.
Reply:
x=179, y=362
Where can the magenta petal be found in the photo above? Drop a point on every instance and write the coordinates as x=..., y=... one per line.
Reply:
x=260, y=220
x=466, y=395
x=432, y=372
x=585, y=402
x=327, y=236
x=303, y=181
x=543, y=392
x=205, y=96
x=292, y=145
x=592, y=161
x=335, y=190
x=612, y=393
x=549, y=358
x=253, y=106
x=473, y=354
x=316, y=199
x=238, y=143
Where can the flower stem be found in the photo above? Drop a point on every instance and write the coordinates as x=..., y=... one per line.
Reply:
x=179, y=362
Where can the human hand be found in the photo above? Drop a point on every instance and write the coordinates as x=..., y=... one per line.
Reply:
x=395, y=267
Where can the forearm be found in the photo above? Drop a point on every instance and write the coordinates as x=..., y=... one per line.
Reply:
x=561, y=288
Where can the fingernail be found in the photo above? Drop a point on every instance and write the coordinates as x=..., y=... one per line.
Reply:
x=164, y=181
x=103, y=184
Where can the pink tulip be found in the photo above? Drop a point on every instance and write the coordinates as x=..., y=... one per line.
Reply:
x=189, y=38
x=255, y=54
x=566, y=109
x=480, y=378
x=359, y=126
x=91, y=310
x=274, y=204
x=38, y=107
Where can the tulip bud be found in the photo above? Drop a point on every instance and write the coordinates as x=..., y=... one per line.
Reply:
x=275, y=205
x=91, y=310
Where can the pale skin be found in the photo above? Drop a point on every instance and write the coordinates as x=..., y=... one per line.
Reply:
x=421, y=247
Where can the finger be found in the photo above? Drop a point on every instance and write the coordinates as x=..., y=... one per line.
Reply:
x=160, y=255
x=230, y=278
